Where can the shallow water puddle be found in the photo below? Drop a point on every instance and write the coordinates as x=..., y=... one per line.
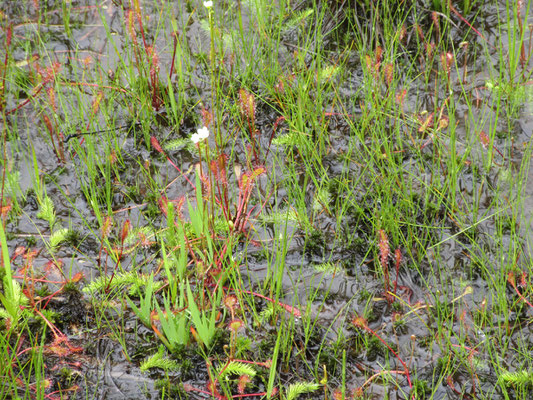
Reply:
x=330, y=267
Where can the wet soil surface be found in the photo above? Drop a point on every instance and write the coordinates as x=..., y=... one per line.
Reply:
x=346, y=287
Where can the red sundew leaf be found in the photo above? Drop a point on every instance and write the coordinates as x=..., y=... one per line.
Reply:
x=337, y=394
x=449, y=381
x=443, y=62
x=31, y=254
x=523, y=280
x=397, y=316
x=58, y=350
x=56, y=68
x=113, y=157
x=178, y=206
x=248, y=179
x=218, y=168
x=244, y=181
x=52, y=266
x=50, y=72
x=5, y=209
x=156, y=145
x=400, y=97
x=96, y=103
x=428, y=123
x=207, y=116
x=368, y=61
x=449, y=60
x=48, y=124
x=247, y=104
x=484, y=139
x=231, y=301
x=144, y=241
x=188, y=387
x=379, y=53
x=435, y=18
x=214, y=169
x=462, y=317
x=443, y=122
x=52, y=98
x=212, y=388
x=206, y=186
x=511, y=278
x=87, y=61
x=154, y=57
x=388, y=70
x=403, y=33
x=398, y=256
x=419, y=32
x=360, y=322
x=446, y=60
x=106, y=227
x=19, y=251
x=280, y=86
x=77, y=277
x=243, y=381
x=384, y=248
x=125, y=230
x=62, y=347
x=222, y=162
x=429, y=50
x=163, y=205
x=259, y=171
x=235, y=325
x=130, y=25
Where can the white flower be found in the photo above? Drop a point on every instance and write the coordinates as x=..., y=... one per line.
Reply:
x=201, y=134
x=195, y=138
x=208, y=4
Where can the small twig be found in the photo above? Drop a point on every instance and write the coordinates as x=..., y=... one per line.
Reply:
x=79, y=134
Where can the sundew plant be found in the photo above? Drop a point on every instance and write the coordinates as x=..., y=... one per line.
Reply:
x=257, y=199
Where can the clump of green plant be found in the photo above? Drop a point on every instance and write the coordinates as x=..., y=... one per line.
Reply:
x=158, y=360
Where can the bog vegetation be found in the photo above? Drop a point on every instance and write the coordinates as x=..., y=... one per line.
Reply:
x=257, y=199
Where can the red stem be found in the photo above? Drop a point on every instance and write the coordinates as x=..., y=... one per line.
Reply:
x=367, y=328
x=180, y=171
x=30, y=98
x=464, y=20
x=513, y=284
x=173, y=55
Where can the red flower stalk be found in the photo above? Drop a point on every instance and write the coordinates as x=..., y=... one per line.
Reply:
x=52, y=98
x=157, y=146
x=361, y=323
